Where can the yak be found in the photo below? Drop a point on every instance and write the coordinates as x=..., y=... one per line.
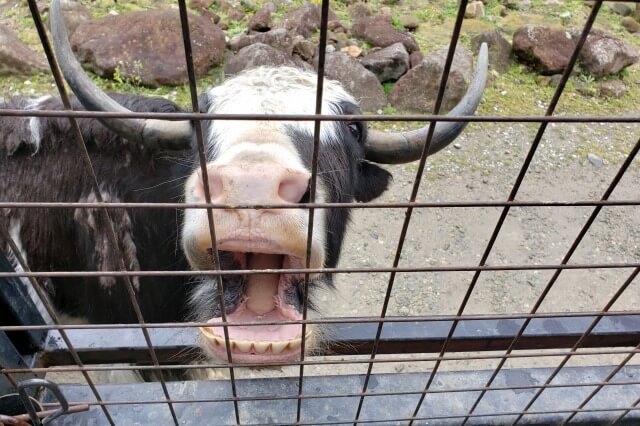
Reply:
x=248, y=162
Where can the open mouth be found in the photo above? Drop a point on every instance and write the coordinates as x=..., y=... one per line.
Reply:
x=267, y=297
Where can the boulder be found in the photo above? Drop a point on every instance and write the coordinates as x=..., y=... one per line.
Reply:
x=417, y=90
x=147, y=46
x=475, y=9
x=621, y=8
x=303, y=48
x=259, y=54
x=16, y=58
x=233, y=10
x=389, y=63
x=416, y=58
x=279, y=38
x=305, y=20
x=604, y=54
x=360, y=82
x=630, y=24
x=378, y=31
x=499, y=49
x=261, y=20
x=548, y=49
x=409, y=22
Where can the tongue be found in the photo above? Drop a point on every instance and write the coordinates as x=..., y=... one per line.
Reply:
x=262, y=289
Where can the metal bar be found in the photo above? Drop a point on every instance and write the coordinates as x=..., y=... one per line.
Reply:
x=599, y=387
x=101, y=345
x=516, y=187
x=324, y=18
x=462, y=268
x=353, y=205
x=328, y=399
x=307, y=362
x=177, y=116
x=342, y=395
x=416, y=186
x=574, y=246
x=184, y=22
x=558, y=316
x=625, y=413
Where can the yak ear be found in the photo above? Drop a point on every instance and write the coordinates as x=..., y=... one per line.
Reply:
x=372, y=182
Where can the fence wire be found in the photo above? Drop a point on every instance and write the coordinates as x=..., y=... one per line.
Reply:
x=445, y=354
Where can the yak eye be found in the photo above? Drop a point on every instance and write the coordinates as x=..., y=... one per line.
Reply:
x=355, y=129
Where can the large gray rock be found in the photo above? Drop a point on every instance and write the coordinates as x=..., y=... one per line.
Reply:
x=389, y=63
x=499, y=49
x=621, y=8
x=259, y=54
x=16, y=58
x=305, y=20
x=603, y=54
x=147, y=46
x=417, y=90
x=360, y=82
x=379, y=32
x=279, y=38
x=548, y=49
x=261, y=20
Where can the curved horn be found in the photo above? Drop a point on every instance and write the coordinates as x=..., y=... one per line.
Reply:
x=149, y=132
x=403, y=147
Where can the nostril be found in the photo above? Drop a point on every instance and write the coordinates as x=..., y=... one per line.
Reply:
x=294, y=189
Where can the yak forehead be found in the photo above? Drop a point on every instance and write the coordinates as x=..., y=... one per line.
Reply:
x=267, y=90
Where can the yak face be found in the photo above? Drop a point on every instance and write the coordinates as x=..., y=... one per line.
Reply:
x=267, y=163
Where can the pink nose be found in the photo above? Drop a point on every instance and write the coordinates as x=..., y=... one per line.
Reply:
x=256, y=183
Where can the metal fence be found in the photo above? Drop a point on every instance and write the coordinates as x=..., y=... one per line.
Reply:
x=560, y=394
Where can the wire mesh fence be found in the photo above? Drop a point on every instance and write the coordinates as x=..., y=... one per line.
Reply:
x=472, y=364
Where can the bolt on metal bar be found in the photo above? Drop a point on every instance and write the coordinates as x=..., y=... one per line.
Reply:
x=565, y=260
x=324, y=18
x=611, y=375
x=414, y=192
x=184, y=22
x=516, y=187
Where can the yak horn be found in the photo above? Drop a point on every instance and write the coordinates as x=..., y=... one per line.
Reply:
x=149, y=132
x=404, y=147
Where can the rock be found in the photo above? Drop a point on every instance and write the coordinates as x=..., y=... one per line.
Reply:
x=378, y=31
x=637, y=12
x=360, y=82
x=306, y=19
x=303, y=48
x=147, y=46
x=475, y=9
x=200, y=4
x=359, y=10
x=548, y=49
x=502, y=11
x=499, y=49
x=389, y=63
x=553, y=3
x=621, y=8
x=353, y=51
x=604, y=54
x=416, y=91
x=16, y=58
x=416, y=58
x=248, y=5
x=74, y=14
x=279, y=38
x=630, y=24
x=409, y=22
x=511, y=4
x=233, y=10
x=612, y=89
x=256, y=55
x=585, y=89
x=260, y=21
x=595, y=160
